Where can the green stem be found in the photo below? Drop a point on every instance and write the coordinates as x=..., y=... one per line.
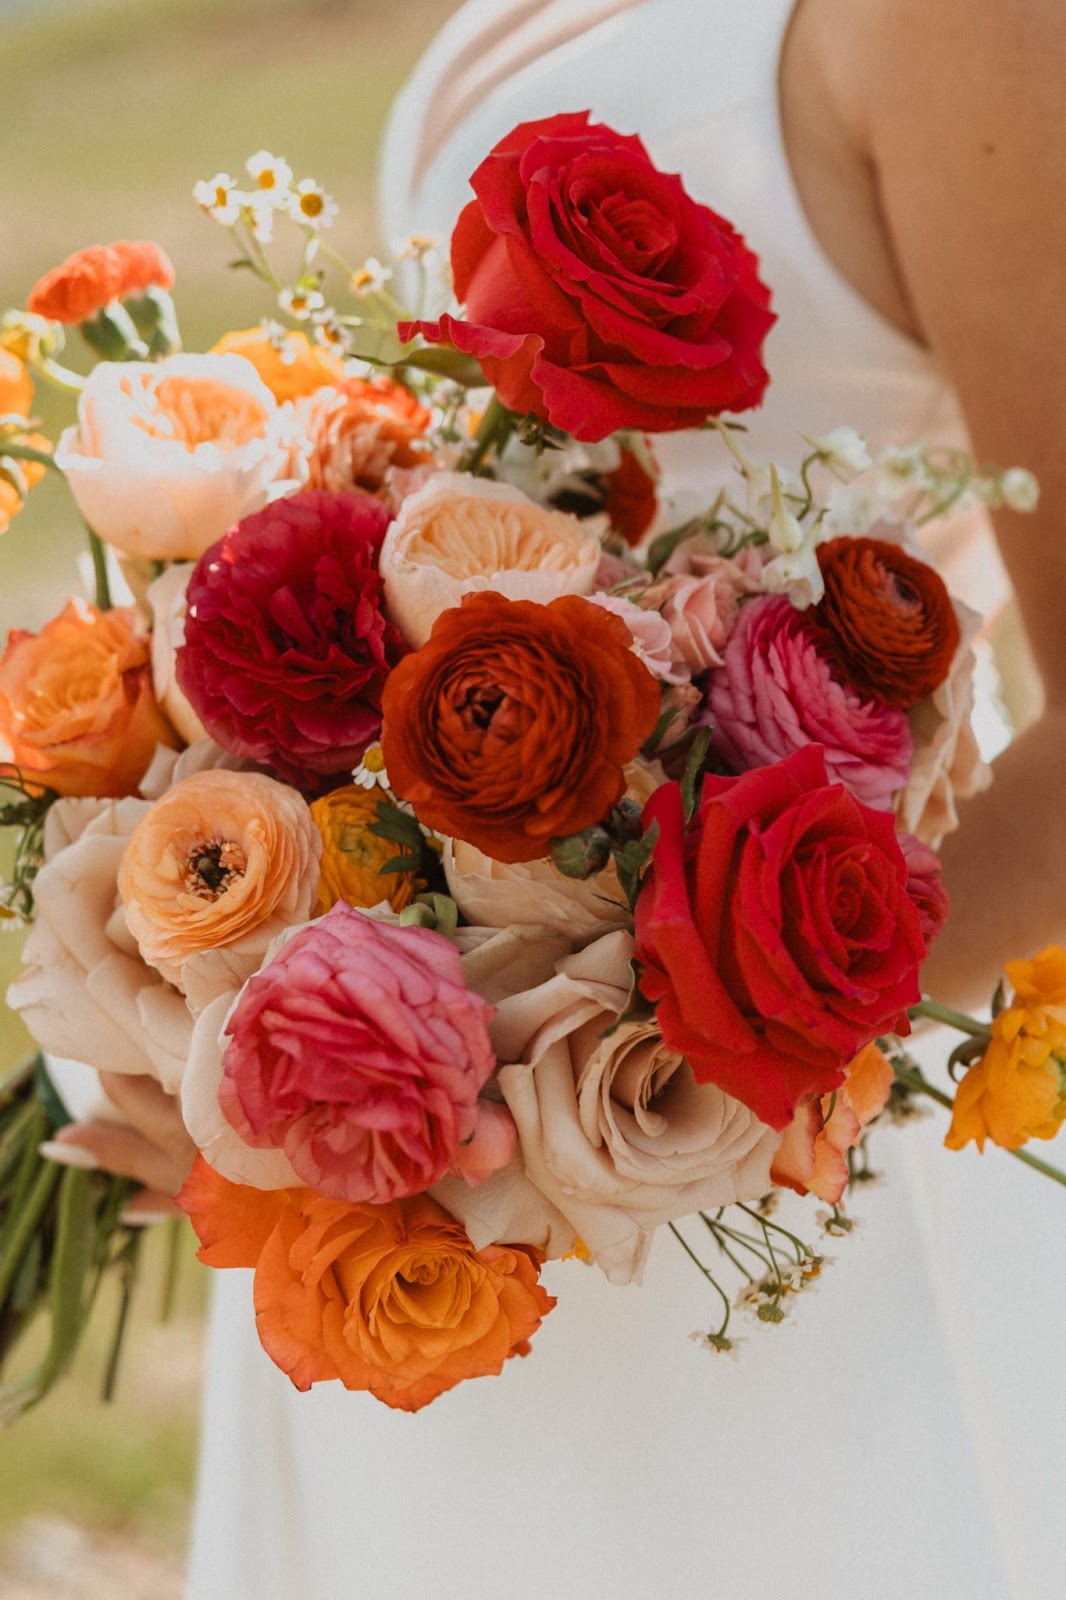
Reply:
x=26, y=452
x=952, y=1018
x=914, y=1081
x=494, y=430
x=103, y=585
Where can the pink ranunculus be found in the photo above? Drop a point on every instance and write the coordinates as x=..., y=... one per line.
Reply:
x=700, y=608
x=359, y=1051
x=778, y=690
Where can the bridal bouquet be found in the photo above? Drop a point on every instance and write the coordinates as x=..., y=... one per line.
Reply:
x=493, y=870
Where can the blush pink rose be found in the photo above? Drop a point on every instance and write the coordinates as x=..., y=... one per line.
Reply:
x=700, y=608
x=778, y=689
x=359, y=1051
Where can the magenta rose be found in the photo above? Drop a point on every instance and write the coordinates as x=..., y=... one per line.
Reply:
x=359, y=1051
x=779, y=688
x=286, y=648
x=598, y=294
x=776, y=934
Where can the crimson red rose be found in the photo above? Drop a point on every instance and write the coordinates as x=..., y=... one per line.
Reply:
x=598, y=294
x=776, y=934
x=286, y=650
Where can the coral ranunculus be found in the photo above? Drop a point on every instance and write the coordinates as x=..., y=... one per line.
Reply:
x=393, y=1300
x=359, y=1050
x=890, y=617
x=776, y=933
x=286, y=650
x=598, y=294
x=77, y=713
x=144, y=265
x=513, y=724
x=79, y=287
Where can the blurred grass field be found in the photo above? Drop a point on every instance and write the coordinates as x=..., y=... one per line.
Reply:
x=112, y=110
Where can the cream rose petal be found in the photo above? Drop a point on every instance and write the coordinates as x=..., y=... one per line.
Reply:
x=166, y=600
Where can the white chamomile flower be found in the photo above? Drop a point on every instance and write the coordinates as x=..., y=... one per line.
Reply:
x=371, y=277
x=370, y=773
x=260, y=219
x=311, y=205
x=271, y=175
x=416, y=246
x=330, y=332
x=220, y=198
x=300, y=303
x=1020, y=489
x=843, y=451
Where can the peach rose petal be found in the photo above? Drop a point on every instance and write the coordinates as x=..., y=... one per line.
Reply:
x=166, y=600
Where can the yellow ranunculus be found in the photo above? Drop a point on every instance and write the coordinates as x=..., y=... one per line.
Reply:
x=1017, y=1090
x=289, y=374
x=352, y=856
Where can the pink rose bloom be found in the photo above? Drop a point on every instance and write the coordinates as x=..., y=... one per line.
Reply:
x=778, y=690
x=652, y=639
x=700, y=608
x=359, y=1051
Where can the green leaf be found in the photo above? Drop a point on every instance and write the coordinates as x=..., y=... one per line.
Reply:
x=399, y=827
x=631, y=860
x=401, y=864
x=693, y=768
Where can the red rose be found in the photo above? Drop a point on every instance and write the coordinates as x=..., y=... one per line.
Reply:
x=598, y=294
x=776, y=934
x=286, y=650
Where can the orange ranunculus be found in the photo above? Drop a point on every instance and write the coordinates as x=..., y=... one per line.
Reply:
x=890, y=618
x=77, y=713
x=813, y=1155
x=361, y=430
x=512, y=725
x=16, y=386
x=353, y=857
x=393, y=1299
x=1017, y=1090
x=144, y=264
x=289, y=373
x=79, y=287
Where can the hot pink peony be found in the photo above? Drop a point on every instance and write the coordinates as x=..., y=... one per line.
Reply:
x=286, y=649
x=359, y=1051
x=778, y=690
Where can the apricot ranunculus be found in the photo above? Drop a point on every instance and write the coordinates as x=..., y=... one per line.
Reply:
x=1017, y=1090
x=890, y=617
x=813, y=1158
x=290, y=366
x=166, y=455
x=392, y=1299
x=214, y=871
x=353, y=857
x=77, y=713
x=512, y=725
x=359, y=431
x=460, y=534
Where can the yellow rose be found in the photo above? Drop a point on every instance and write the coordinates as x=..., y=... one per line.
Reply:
x=1017, y=1090
x=352, y=856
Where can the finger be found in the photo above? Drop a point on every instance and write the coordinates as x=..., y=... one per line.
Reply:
x=128, y=1154
x=148, y=1206
x=144, y=1103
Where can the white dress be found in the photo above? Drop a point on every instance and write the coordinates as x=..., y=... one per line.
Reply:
x=904, y=1435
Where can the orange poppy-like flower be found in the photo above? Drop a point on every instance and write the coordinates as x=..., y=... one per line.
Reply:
x=77, y=711
x=512, y=724
x=392, y=1299
x=361, y=430
x=290, y=370
x=813, y=1155
x=16, y=386
x=1017, y=1090
x=890, y=618
x=353, y=857
x=79, y=287
x=144, y=265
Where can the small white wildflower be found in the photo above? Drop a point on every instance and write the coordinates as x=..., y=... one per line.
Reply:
x=855, y=510
x=785, y=530
x=371, y=277
x=843, y=452
x=271, y=175
x=370, y=773
x=311, y=205
x=330, y=332
x=300, y=303
x=1020, y=489
x=220, y=198
x=416, y=246
x=906, y=468
x=260, y=219
x=719, y=1344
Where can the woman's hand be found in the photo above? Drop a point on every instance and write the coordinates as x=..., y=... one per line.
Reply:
x=152, y=1146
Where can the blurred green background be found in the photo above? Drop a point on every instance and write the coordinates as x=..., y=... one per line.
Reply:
x=112, y=110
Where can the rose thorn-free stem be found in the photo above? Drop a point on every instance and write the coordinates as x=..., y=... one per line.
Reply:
x=494, y=430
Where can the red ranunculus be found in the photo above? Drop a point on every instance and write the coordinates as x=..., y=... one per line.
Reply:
x=776, y=934
x=598, y=294
x=286, y=650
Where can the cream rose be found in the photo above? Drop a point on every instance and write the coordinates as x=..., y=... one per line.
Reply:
x=459, y=534
x=165, y=456
x=614, y=1129
x=166, y=601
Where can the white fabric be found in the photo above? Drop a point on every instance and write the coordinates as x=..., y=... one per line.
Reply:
x=904, y=1436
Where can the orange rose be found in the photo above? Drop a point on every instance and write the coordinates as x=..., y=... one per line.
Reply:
x=298, y=369
x=890, y=618
x=77, y=711
x=393, y=1299
x=1017, y=1090
x=79, y=287
x=353, y=857
x=361, y=429
x=813, y=1156
x=16, y=386
x=513, y=723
